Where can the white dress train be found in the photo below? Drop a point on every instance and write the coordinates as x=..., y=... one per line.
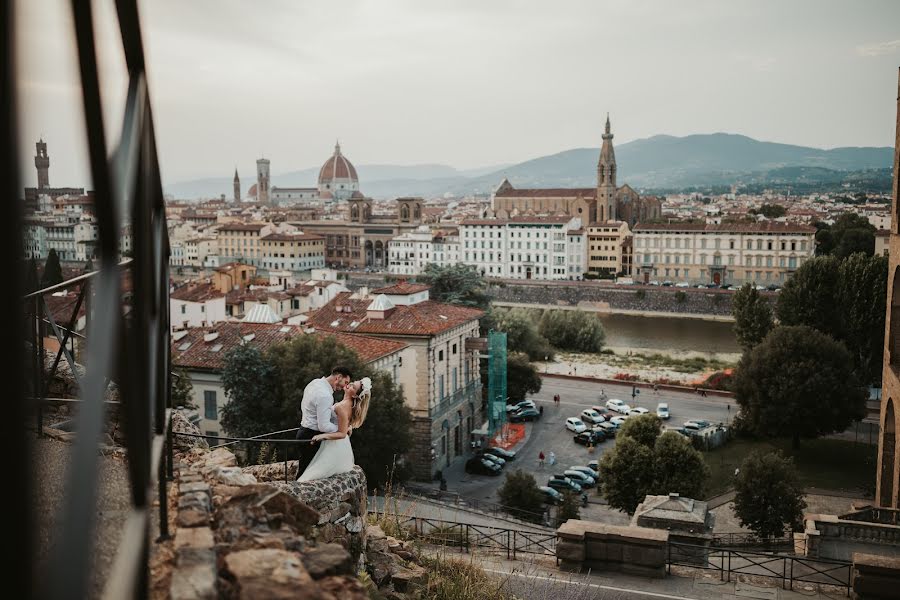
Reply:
x=332, y=458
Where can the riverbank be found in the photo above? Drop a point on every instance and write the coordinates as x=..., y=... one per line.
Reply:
x=682, y=368
x=605, y=309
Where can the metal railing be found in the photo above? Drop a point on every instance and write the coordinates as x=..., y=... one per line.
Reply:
x=750, y=539
x=127, y=340
x=788, y=569
x=467, y=536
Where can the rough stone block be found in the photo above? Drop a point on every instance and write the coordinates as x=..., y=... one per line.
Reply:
x=327, y=559
x=194, y=537
x=268, y=573
x=571, y=551
x=195, y=582
x=343, y=588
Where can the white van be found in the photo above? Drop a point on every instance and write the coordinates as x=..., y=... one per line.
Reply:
x=624, y=281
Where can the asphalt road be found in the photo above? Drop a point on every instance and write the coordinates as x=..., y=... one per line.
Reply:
x=549, y=434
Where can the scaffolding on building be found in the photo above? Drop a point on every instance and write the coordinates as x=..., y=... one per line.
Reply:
x=496, y=401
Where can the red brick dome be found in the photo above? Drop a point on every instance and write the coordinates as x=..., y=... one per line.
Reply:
x=337, y=168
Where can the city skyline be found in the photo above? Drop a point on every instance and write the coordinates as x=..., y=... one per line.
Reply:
x=471, y=86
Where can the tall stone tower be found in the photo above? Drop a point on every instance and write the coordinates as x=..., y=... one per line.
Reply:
x=888, y=473
x=606, y=178
x=237, y=186
x=42, y=163
x=262, y=180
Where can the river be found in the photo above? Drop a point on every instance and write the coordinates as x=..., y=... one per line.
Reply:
x=674, y=336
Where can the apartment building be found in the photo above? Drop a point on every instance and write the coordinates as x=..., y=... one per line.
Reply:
x=764, y=253
x=292, y=251
x=606, y=248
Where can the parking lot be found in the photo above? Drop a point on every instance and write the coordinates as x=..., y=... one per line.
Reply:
x=549, y=433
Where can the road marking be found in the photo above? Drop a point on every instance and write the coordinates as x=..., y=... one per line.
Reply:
x=592, y=585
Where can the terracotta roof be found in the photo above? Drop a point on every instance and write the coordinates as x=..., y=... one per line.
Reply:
x=230, y=266
x=402, y=288
x=190, y=350
x=242, y=226
x=292, y=237
x=196, y=292
x=423, y=319
x=337, y=167
x=547, y=193
x=761, y=227
x=524, y=220
x=300, y=289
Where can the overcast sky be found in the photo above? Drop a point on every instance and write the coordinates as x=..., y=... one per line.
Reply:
x=462, y=83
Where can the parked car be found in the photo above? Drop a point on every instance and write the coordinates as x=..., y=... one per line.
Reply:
x=667, y=283
x=582, y=479
x=602, y=410
x=575, y=424
x=662, y=410
x=609, y=429
x=584, y=469
x=589, y=438
x=494, y=459
x=682, y=284
x=563, y=484
x=726, y=286
x=506, y=455
x=700, y=285
x=617, y=406
x=653, y=282
x=773, y=287
x=624, y=281
x=680, y=430
x=526, y=414
x=520, y=405
x=760, y=288
x=712, y=286
x=481, y=466
x=638, y=411
x=697, y=424
x=618, y=420
x=591, y=416
x=551, y=496
x=594, y=465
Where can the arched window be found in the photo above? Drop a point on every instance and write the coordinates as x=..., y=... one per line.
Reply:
x=894, y=331
x=354, y=212
x=404, y=212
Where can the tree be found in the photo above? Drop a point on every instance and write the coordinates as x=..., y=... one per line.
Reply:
x=626, y=473
x=568, y=508
x=182, y=389
x=456, y=284
x=768, y=496
x=520, y=326
x=521, y=377
x=678, y=466
x=521, y=495
x=644, y=429
x=752, y=316
x=52, y=270
x=810, y=296
x=249, y=382
x=798, y=382
x=575, y=330
x=862, y=295
x=645, y=462
x=850, y=233
x=771, y=211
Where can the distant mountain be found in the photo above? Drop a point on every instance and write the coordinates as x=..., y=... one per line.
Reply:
x=658, y=162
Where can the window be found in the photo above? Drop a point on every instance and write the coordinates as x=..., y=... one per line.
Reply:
x=440, y=355
x=184, y=309
x=441, y=387
x=454, y=348
x=210, y=409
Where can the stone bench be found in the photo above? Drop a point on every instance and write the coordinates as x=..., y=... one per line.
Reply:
x=588, y=545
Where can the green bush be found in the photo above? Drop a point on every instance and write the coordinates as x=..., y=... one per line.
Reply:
x=680, y=297
x=640, y=294
x=573, y=330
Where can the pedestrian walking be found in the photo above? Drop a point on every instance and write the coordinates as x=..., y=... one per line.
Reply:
x=552, y=458
x=541, y=458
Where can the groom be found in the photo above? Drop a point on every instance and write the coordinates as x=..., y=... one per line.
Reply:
x=316, y=411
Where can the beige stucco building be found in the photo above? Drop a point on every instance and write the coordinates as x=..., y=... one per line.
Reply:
x=606, y=247
x=763, y=253
x=292, y=251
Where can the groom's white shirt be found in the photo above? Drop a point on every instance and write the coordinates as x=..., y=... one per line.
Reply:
x=316, y=406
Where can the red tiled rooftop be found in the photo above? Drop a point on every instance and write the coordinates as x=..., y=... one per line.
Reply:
x=402, y=288
x=547, y=193
x=423, y=319
x=196, y=292
x=760, y=227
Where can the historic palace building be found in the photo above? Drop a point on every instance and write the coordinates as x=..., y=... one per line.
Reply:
x=605, y=202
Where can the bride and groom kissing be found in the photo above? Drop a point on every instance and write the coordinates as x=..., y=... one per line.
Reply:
x=330, y=424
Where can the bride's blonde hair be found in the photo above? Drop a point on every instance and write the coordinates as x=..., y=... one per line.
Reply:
x=360, y=407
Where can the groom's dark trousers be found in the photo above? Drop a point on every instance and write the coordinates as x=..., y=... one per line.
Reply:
x=307, y=449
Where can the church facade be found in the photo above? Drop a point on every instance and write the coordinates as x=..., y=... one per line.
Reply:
x=605, y=202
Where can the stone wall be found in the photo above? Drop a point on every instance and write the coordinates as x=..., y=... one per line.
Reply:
x=583, y=545
x=875, y=577
x=830, y=536
x=611, y=298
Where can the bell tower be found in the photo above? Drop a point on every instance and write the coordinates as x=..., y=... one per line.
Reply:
x=262, y=180
x=606, y=178
x=237, y=186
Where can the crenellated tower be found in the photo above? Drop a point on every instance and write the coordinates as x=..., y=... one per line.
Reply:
x=42, y=163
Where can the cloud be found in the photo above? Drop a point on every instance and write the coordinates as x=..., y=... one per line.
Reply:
x=878, y=48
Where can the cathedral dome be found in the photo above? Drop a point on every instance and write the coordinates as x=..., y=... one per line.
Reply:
x=337, y=169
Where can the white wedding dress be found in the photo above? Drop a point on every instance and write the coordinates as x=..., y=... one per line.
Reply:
x=333, y=457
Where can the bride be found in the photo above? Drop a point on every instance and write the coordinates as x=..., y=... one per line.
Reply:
x=335, y=454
